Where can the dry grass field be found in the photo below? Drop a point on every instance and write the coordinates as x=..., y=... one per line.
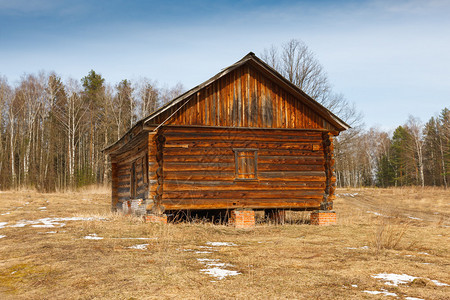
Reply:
x=69, y=246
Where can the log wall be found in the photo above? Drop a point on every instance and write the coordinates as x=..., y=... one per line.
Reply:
x=200, y=171
x=136, y=151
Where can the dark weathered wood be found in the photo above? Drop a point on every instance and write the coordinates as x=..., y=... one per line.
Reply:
x=245, y=138
x=251, y=99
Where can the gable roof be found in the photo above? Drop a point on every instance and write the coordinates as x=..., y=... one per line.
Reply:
x=256, y=62
x=252, y=59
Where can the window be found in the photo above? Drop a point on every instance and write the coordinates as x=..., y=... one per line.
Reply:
x=246, y=161
x=133, y=181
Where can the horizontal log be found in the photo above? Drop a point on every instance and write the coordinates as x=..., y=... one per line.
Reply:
x=245, y=144
x=245, y=194
x=268, y=159
x=229, y=151
x=228, y=137
x=232, y=204
x=171, y=185
x=170, y=166
x=230, y=176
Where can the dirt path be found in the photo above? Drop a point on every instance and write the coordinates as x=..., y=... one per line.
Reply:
x=386, y=206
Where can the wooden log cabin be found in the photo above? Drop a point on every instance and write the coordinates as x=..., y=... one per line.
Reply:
x=246, y=139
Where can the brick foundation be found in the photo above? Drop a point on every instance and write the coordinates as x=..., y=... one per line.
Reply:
x=323, y=217
x=244, y=218
x=151, y=218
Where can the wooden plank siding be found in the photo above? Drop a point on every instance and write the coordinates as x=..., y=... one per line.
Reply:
x=199, y=168
x=244, y=97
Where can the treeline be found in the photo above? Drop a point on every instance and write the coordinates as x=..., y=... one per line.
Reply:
x=414, y=154
x=52, y=132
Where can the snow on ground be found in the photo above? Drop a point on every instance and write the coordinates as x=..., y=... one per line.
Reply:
x=139, y=247
x=219, y=273
x=218, y=244
x=124, y=238
x=3, y=224
x=347, y=194
x=439, y=283
x=413, y=298
x=383, y=292
x=2, y=236
x=396, y=279
x=47, y=222
x=6, y=213
x=363, y=248
x=414, y=218
x=375, y=213
x=214, y=267
x=93, y=236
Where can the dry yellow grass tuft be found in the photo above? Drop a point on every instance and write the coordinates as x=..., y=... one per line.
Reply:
x=69, y=246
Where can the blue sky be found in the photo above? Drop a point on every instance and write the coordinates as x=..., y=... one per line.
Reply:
x=391, y=58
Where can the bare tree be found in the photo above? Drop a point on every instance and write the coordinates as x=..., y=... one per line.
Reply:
x=415, y=128
x=147, y=95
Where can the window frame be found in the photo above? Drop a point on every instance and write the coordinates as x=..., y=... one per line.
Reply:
x=255, y=162
x=133, y=180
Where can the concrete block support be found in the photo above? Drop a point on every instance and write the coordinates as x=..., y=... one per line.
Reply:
x=323, y=217
x=242, y=218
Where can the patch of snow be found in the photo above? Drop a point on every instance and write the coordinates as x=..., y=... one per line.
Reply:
x=363, y=248
x=219, y=244
x=6, y=213
x=413, y=298
x=439, y=283
x=20, y=224
x=49, y=222
x=46, y=225
x=424, y=253
x=354, y=285
x=51, y=232
x=394, y=279
x=42, y=208
x=409, y=255
x=203, y=252
x=206, y=260
x=426, y=263
x=375, y=213
x=93, y=236
x=414, y=218
x=3, y=224
x=151, y=238
x=219, y=273
x=207, y=247
x=139, y=247
x=386, y=293
x=2, y=236
x=347, y=194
